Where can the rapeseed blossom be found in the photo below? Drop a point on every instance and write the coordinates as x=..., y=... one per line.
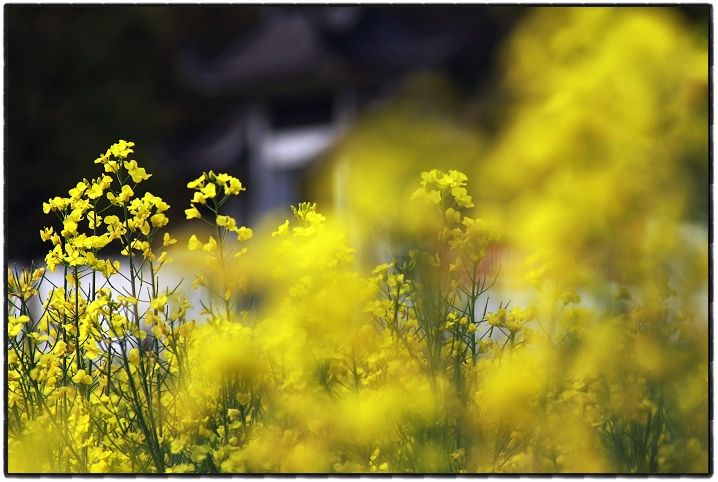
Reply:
x=400, y=370
x=286, y=352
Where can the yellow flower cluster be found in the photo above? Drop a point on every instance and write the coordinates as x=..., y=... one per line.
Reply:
x=206, y=188
x=437, y=185
x=300, y=362
x=77, y=247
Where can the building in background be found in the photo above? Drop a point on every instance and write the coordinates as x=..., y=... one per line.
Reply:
x=298, y=81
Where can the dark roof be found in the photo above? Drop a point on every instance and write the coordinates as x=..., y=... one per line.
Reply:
x=215, y=147
x=319, y=44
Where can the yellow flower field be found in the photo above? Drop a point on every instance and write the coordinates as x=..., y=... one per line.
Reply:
x=530, y=300
x=301, y=361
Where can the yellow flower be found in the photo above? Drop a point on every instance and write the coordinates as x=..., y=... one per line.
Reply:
x=244, y=233
x=194, y=243
x=92, y=351
x=99, y=467
x=199, y=281
x=159, y=220
x=134, y=357
x=461, y=197
x=93, y=220
x=159, y=303
x=222, y=178
x=570, y=296
x=82, y=377
x=15, y=324
x=515, y=320
x=209, y=191
x=168, y=240
x=53, y=258
x=199, y=198
x=163, y=259
x=95, y=191
x=70, y=228
x=112, y=166
x=55, y=204
x=127, y=299
x=121, y=148
x=112, y=220
x=37, y=274
x=144, y=228
x=498, y=318
x=178, y=444
x=429, y=197
x=192, y=213
x=76, y=192
x=138, y=174
x=211, y=245
x=160, y=205
x=125, y=195
x=228, y=222
x=282, y=230
x=103, y=158
x=46, y=234
x=233, y=187
x=199, y=182
x=453, y=216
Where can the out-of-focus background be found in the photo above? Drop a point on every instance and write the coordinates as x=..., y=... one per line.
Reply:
x=577, y=126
